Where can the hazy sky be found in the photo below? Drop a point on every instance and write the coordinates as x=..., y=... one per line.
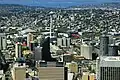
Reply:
x=54, y=3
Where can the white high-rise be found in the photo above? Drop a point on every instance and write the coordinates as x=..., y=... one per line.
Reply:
x=63, y=42
x=4, y=45
x=86, y=51
x=108, y=68
x=29, y=39
x=18, y=50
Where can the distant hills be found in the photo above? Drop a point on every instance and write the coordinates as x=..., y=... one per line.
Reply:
x=104, y=5
x=18, y=5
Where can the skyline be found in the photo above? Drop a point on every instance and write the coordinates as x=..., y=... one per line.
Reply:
x=55, y=3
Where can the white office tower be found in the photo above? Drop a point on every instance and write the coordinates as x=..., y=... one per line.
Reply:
x=18, y=50
x=18, y=72
x=109, y=68
x=59, y=41
x=86, y=51
x=3, y=41
x=63, y=42
x=29, y=38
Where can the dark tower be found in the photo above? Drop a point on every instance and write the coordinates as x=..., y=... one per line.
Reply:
x=46, y=55
x=113, y=50
x=104, y=41
x=3, y=64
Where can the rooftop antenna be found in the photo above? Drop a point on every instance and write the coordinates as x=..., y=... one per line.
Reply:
x=51, y=22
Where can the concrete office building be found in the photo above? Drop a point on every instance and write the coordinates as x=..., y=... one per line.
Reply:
x=86, y=51
x=68, y=41
x=92, y=76
x=29, y=38
x=38, y=53
x=18, y=72
x=59, y=41
x=72, y=67
x=4, y=44
x=97, y=67
x=18, y=50
x=104, y=41
x=63, y=42
x=109, y=68
x=85, y=76
x=88, y=76
x=113, y=50
x=52, y=71
x=3, y=41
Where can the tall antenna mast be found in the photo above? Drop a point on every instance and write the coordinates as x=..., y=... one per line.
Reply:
x=51, y=23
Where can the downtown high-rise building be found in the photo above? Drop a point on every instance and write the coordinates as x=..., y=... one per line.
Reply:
x=64, y=42
x=38, y=53
x=52, y=71
x=3, y=41
x=46, y=54
x=86, y=51
x=113, y=50
x=108, y=63
x=108, y=68
x=104, y=42
x=29, y=39
x=18, y=50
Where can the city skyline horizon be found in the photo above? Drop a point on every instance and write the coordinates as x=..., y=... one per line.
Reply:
x=57, y=3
